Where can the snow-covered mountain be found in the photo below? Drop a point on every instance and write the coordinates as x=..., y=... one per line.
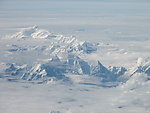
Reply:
x=33, y=32
x=76, y=71
x=58, y=43
x=141, y=66
x=55, y=68
x=40, y=55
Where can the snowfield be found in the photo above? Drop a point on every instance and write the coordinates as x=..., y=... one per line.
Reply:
x=43, y=72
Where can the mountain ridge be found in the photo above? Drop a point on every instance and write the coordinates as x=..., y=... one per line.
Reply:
x=65, y=56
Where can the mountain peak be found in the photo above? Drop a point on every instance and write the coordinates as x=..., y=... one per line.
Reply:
x=33, y=32
x=142, y=66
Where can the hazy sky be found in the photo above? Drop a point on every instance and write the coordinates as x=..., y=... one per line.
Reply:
x=99, y=19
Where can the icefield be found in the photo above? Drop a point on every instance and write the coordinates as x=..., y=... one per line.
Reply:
x=83, y=56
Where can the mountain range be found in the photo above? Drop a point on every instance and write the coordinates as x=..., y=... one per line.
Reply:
x=65, y=55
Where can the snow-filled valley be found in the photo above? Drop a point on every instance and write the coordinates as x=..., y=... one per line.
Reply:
x=51, y=73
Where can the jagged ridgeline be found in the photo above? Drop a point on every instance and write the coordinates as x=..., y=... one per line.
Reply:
x=37, y=54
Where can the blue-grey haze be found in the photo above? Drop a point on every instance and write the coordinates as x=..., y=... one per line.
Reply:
x=102, y=20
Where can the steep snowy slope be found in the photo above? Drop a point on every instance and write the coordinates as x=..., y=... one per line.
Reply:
x=141, y=66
